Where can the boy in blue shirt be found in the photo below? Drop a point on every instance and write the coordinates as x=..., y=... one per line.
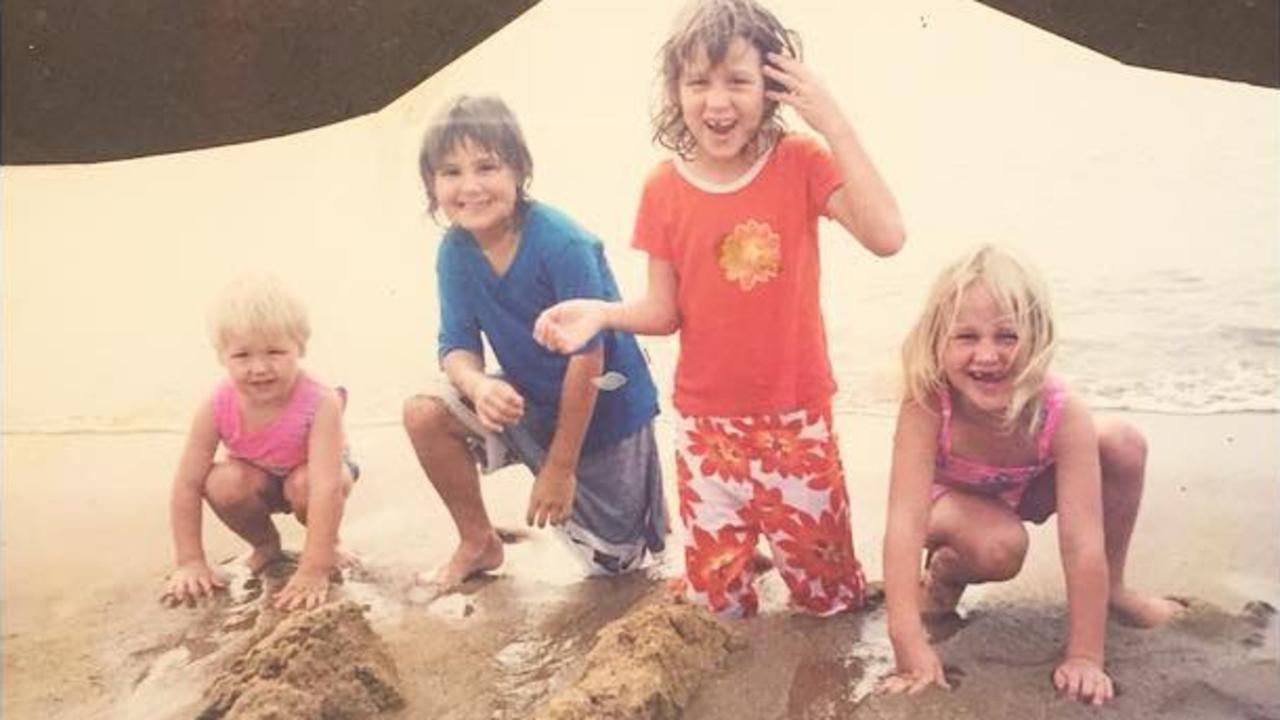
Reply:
x=582, y=423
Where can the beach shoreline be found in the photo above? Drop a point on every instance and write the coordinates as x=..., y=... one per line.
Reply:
x=84, y=636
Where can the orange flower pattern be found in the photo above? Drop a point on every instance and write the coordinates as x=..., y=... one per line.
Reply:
x=721, y=454
x=751, y=255
x=776, y=475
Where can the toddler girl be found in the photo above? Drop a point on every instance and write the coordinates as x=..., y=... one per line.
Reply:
x=282, y=431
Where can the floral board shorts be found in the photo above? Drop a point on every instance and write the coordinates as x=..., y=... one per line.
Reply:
x=774, y=475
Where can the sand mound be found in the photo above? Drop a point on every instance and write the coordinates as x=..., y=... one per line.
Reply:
x=645, y=666
x=327, y=663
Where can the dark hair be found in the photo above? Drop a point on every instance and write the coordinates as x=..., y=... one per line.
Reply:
x=487, y=122
x=712, y=25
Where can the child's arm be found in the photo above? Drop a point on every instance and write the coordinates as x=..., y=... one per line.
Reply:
x=1084, y=561
x=325, y=497
x=496, y=403
x=193, y=578
x=568, y=325
x=914, y=449
x=863, y=204
x=551, y=500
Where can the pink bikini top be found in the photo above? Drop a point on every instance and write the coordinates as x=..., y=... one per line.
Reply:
x=280, y=446
x=1006, y=483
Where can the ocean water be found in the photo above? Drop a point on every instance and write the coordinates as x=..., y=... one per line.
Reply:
x=1194, y=340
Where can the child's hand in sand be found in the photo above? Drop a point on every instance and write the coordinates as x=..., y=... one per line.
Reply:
x=307, y=589
x=569, y=325
x=190, y=583
x=918, y=668
x=551, y=501
x=1083, y=679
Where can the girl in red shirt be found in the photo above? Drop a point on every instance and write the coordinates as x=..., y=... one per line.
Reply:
x=730, y=226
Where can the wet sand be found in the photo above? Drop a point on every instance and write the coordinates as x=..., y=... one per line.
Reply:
x=86, y=551
x=1020, y=148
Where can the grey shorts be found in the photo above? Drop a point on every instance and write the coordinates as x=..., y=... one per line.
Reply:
x=618, y=505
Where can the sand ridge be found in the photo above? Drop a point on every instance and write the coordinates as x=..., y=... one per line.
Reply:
x=322, y=663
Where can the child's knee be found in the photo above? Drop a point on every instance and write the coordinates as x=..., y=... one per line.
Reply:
x=1001, y=556
x=231, y=484
x=295, y=492
x=1122, y=447
x=425, y=415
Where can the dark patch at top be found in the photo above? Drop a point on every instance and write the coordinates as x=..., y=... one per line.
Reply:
x=1226, y=39
x=93, y=81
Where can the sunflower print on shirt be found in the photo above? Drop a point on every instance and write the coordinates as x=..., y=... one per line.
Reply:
x=751, y=255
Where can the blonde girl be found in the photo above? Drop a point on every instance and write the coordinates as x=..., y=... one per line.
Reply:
x=988, y=438
x=283, y=439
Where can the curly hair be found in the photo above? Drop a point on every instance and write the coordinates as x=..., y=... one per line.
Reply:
x=710, y=26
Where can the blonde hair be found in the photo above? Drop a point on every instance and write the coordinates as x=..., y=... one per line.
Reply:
x=711, y=26
x=257, y=306
x=1020, y=291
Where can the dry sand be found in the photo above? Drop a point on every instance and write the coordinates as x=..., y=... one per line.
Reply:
x=86, y=551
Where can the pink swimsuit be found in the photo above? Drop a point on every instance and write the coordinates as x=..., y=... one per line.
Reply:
x=279, y=447
x=953, y=472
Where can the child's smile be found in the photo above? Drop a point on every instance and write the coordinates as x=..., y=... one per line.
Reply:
x=979, y=352
x=263, y=371
x=723, y=106
x=477, y=191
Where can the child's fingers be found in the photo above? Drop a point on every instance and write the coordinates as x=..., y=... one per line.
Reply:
x=1069, y=684
x=1096, y=689
x=786, y=79
x=919, y=684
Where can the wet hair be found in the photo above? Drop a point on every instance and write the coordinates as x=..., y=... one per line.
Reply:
x=257, y=306
x=487, y=122
x=710, y=26
x=1021, y=293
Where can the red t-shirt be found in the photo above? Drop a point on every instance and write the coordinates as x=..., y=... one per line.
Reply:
x=746, y=259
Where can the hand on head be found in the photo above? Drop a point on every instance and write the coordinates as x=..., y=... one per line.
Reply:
x=803, y=91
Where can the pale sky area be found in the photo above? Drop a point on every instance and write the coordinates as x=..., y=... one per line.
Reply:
x=985, y=127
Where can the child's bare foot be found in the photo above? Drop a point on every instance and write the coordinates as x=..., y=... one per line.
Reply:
x=1144, y=611
x=264, y=555
x=468, y=559
x=938, y=597
x=344, y=559
x=674, y=589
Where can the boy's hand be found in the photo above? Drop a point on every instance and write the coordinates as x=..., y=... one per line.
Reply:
x=191, y=582
x=567, y=326
x=804, y=92
x=1083, y=679
x=497, y=403
x=918, y=668
x=307, y=589
x=551, y=500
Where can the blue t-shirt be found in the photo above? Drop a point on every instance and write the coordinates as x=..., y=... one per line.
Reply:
x=555, y=260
